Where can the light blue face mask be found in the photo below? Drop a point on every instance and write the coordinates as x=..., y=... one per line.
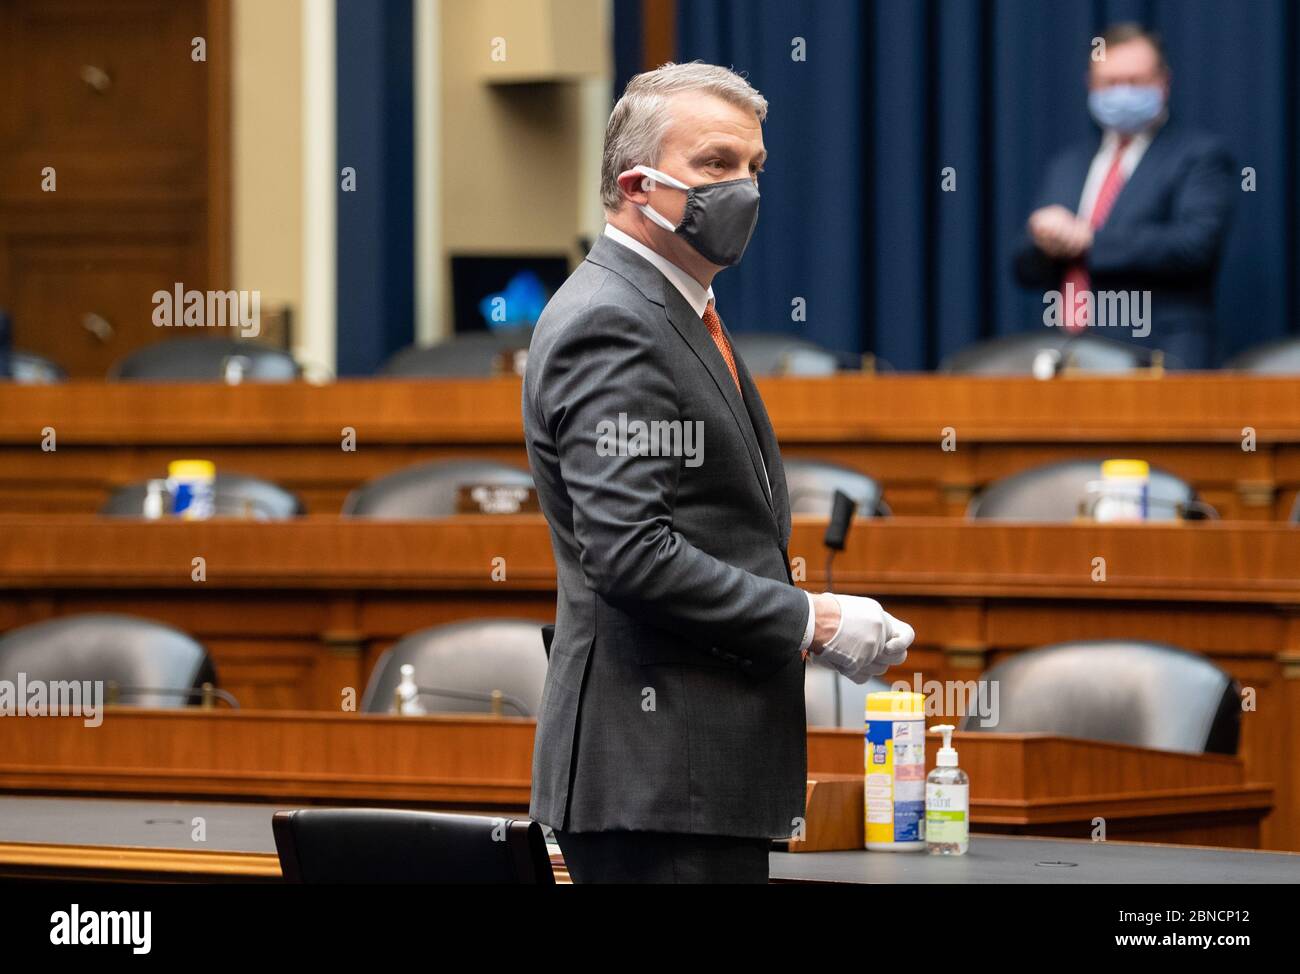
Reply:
x=1126, y=108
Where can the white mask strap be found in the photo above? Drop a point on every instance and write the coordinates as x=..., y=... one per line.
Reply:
x=659, y=177
x=655, y=176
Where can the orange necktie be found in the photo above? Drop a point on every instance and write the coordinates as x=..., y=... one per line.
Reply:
x=714, y=324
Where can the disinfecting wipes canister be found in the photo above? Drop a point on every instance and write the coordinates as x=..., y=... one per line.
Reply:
x=895, y=771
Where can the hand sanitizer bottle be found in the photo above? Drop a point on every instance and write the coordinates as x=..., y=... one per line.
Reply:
x=406, y=698
x=947, y=802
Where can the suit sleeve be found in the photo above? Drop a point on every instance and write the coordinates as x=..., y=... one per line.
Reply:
x=1189, y=243
x=1032, y=266
x=623, y=505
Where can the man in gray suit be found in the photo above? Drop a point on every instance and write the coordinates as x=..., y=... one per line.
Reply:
x=671, y=739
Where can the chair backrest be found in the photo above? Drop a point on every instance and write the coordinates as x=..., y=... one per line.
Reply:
x=1280, y=357
x=385, y=845
x=831, y=700
x=234, y=495
x=1132, y=692
x=428, y=489
x=1055, y=491
x=469, y=355
x=193, y=359
x=121, y=649
x=472, y=658
x=1019, y=354
x=765, y=353
x=28, y=368
x=812, y=485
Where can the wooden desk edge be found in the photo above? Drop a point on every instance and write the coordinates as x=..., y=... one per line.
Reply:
x=137, y=860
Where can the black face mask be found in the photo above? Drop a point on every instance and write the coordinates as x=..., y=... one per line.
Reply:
x=718, y=220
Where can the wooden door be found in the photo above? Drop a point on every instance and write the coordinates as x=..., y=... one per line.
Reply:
x=114, y=147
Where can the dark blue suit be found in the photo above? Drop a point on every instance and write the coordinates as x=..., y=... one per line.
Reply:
x=1165, y=234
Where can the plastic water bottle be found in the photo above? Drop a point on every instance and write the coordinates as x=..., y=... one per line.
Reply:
x=406, y=697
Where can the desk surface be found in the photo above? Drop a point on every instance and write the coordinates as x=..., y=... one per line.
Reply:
x=1027, y=859
x=236, y=828
x=117, y=823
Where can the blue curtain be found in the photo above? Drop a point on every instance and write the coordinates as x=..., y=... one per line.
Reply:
x=376, y=220
x=853, y=218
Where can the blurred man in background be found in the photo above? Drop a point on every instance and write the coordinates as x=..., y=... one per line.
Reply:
x=1144, y=210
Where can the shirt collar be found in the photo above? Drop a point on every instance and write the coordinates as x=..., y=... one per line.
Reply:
x=696, y=296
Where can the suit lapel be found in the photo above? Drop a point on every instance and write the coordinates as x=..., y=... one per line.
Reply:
x=1071, y=188
x=767, y=443
x=688, y=325
x=1147, y=172
x=655, y=287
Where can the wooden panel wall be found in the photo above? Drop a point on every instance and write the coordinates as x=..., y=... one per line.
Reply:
x=104, y=103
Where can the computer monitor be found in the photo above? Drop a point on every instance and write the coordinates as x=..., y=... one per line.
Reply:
x=503, y=292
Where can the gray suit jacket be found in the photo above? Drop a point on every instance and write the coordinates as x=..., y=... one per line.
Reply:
x=674, y=695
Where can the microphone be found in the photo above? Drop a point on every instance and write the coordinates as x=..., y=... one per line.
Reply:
x=1050, y=363
x=6, y=345
x=843, y=507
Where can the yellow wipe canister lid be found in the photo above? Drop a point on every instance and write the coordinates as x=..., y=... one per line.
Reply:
x=1127, y=469
x=192, y=470
x=896, y=702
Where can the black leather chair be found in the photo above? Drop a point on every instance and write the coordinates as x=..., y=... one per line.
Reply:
x=470, y=355
x=383, y=845
x=1020, y=354
x=126, y=651
x=191, y=359
x=1279, y=357
x=1055, y=492
x=1131, y=692
x=28, y=368
x=469, y=660
x=428, y=489
x=831, y=700
x=234, y=495
x=812, y=485
x=774, y=354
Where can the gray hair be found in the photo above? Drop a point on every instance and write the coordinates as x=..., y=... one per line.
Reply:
x=638, y=122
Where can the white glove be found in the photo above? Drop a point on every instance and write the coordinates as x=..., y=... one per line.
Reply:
x=868, y=641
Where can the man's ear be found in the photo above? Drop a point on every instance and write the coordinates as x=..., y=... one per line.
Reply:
x=632, y=185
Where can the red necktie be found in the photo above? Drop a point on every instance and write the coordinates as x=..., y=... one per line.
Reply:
x=1076, y=318
x=714, y=324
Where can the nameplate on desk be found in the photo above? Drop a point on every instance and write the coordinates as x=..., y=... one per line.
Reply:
x=496, y=499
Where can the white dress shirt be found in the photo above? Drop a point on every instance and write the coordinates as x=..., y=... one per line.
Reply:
x=1101, y=163
x=698, y=297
